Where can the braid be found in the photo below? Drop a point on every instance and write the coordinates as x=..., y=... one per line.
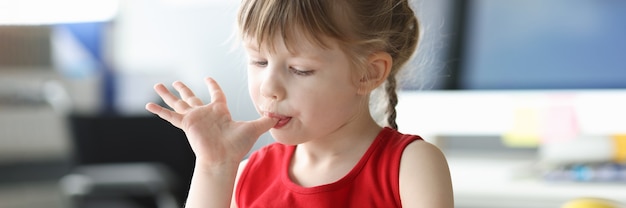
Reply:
x=393, y=101
x=402, y=44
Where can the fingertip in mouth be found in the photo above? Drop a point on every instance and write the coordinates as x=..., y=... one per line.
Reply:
x=275, y=115
x=281, y=119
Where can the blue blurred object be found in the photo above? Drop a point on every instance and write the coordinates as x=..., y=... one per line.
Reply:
x=535, y=44
x=91, y=36
x=545, y=45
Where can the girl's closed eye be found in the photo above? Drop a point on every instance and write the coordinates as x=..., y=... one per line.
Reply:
x=300, y=72
x=259, y=63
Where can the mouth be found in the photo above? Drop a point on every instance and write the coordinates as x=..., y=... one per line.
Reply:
x=282, y=120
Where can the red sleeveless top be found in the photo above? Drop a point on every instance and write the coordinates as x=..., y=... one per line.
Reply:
x=373, y=182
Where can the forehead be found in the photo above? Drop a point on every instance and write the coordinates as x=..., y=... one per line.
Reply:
x=297, y=45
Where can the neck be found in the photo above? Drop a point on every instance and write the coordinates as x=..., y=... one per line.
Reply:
x=352, y=138
x=328, y=159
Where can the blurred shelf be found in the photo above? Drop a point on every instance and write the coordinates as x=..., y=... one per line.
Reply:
x=501, y=182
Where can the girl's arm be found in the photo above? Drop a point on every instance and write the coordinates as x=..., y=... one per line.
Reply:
x=218, y=142
x=211, y=185
x=425, y=177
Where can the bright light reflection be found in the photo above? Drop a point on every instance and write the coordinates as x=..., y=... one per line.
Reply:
x=29, y=12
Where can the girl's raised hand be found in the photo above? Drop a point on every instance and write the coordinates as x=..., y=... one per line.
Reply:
x=214, y=137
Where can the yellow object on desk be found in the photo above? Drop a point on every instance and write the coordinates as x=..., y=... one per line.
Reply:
x=620, y=147
x=591, y=203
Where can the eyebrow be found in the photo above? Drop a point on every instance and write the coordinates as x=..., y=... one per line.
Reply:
x=313, y=57
x=318, y=57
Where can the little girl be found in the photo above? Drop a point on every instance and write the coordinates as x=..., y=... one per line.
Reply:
x=312, y=67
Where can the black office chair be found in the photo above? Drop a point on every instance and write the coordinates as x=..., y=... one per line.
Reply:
x=127, y=161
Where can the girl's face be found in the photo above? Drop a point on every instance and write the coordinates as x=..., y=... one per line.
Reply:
x=312, y=91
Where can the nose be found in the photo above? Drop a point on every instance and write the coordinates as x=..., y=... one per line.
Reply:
x=272, y=86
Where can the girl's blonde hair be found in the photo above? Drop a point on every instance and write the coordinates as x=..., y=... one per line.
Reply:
x=360, y=27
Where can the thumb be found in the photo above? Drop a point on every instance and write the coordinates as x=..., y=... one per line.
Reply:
x=261, y=125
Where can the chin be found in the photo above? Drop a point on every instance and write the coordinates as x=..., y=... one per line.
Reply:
x=285, y=138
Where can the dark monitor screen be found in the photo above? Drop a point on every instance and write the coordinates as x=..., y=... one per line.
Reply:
x=536, y=44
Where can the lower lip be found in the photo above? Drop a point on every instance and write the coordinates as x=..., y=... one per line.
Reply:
x=281, y=123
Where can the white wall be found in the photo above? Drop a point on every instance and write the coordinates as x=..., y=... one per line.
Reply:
x=163, y=41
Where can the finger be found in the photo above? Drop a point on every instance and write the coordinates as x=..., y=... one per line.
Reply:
x=217, y=95
x=186, y=94
x=170, y=99
x=261, y=125
x=168, y=115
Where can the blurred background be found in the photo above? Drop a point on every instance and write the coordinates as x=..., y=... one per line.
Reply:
x=524, y=97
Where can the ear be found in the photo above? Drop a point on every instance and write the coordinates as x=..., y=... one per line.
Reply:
x=376, y=72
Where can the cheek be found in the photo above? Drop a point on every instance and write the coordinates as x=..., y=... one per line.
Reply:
x=337, y=99
x=253, y=87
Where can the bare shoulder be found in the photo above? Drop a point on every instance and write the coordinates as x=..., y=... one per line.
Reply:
x=425, y=177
